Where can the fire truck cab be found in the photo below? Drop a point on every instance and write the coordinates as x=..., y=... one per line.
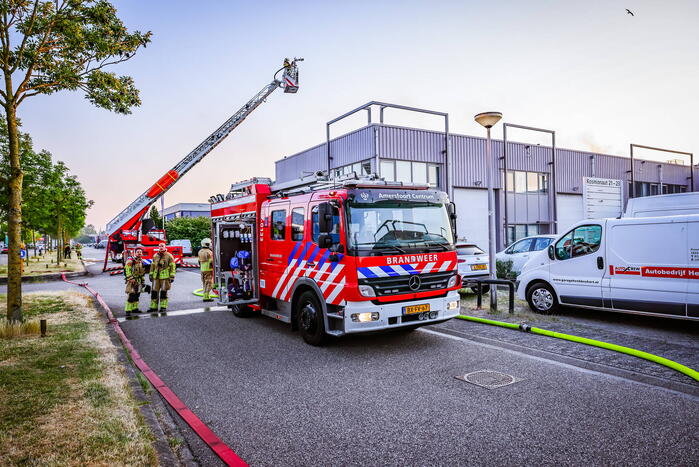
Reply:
x=336, y=257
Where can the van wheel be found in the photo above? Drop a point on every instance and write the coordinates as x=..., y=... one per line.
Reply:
x=241, y=311
x=542, y=298
x=309, y=319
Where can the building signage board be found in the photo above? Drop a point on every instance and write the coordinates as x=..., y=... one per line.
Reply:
x=602, y=197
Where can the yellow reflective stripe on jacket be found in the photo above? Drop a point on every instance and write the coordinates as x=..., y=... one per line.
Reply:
x=205, y=266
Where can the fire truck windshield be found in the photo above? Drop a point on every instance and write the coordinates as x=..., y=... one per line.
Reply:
x=390, y=227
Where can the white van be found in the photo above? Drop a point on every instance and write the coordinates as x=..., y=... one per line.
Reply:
x=185, y=244
x=676, y=204
x=647, y=265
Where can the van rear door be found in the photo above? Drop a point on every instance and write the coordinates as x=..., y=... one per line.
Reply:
x=693, y=267
x=647, y=264
x=578, y=268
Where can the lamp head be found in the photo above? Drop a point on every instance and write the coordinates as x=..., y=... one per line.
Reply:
x=488, y=119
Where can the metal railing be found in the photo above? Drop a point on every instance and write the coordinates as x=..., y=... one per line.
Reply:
x=495, y=282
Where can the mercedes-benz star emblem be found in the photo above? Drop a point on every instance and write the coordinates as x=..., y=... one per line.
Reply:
x=414, y=282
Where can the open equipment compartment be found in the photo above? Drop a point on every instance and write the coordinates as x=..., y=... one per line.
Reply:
x=235, y=268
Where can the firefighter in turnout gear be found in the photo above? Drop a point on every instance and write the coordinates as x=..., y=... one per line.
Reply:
x=135, y=272
x=206, y=262
x=162, y=273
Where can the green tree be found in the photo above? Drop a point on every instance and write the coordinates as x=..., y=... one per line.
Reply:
x=66, y=204
x=194, y=229
x=155, y=216
x=48, y=46
x=89, y=229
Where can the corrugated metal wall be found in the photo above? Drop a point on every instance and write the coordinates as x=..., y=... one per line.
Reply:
x=346, y=149
x=468, y=158
x=411, y=144
x=302, y=163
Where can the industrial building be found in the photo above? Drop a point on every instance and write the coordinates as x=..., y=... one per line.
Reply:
x=186, y=210
x=585, y=185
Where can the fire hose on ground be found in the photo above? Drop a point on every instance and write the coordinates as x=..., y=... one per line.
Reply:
x=209, y=437
x=583, y=340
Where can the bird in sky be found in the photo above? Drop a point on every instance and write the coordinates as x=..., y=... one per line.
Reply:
x=630, y=12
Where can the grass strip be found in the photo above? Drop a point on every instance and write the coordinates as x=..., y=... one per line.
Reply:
x=64, y=399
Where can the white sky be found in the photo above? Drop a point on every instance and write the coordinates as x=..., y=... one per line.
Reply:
x=598, y=76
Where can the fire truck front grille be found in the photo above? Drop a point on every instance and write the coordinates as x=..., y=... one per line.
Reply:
x=401, y=284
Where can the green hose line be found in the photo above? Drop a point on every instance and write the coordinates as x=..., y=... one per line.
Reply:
x=200, y=292
x=595, y=343
x=489, y=321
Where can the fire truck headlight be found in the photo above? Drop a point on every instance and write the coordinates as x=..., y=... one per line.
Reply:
x=453, y=280
x=453, y=305
x=365, y=317
x=367, y=291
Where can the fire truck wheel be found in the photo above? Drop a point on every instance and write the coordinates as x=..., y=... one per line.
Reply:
x=309, y=316
x=241, y=311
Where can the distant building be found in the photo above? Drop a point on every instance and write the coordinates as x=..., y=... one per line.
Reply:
x=187, y=210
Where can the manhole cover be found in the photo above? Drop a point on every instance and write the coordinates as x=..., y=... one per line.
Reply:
x=488, y=379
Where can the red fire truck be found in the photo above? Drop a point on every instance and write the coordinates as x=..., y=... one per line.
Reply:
x=334, y=257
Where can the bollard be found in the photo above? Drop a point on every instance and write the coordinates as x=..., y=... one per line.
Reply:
x=479, y=302
x=43, y=327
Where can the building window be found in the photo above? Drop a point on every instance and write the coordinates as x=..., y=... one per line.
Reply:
x=403, y=171
x=410, y=172
x=359, y=168
x=651, y=189
x=518, y=231
x=278, y=224
x=388, y=171
x=526, y=182
x=297, y=224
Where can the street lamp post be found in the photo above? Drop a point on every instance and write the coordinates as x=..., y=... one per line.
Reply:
x=488, y=119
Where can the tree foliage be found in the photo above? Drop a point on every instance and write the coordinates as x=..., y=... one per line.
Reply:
x=155, y=217
x=195, y=229
x=66, y=45
x=53, y=200
x=48, y=46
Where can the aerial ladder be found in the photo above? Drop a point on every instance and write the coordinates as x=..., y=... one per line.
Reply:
x=125, y=228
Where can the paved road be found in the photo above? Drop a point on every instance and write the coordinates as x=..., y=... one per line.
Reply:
x=394, y=399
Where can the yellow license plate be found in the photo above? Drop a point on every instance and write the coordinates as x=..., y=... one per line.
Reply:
x=409, y=310
x=478, y=267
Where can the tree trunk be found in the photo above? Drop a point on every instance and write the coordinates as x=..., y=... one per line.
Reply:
x=59, y=240
x=14, y=220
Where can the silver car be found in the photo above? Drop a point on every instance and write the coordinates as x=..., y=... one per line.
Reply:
x=473, y=264
x=520, y=251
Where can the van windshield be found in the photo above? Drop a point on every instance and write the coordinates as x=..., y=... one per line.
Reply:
x=394, y=227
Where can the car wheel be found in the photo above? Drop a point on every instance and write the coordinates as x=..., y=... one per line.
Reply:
x=484, y=289
x=542, y=298
x=309, y=319
x=241, y=311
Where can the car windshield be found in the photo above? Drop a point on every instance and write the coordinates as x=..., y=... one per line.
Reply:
x=541, y=243
x=469, y=250
x=396, y=227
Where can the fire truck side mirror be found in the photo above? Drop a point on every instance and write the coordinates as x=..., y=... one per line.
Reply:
x=325, y=241
x=451, y=209
x=325, y=218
